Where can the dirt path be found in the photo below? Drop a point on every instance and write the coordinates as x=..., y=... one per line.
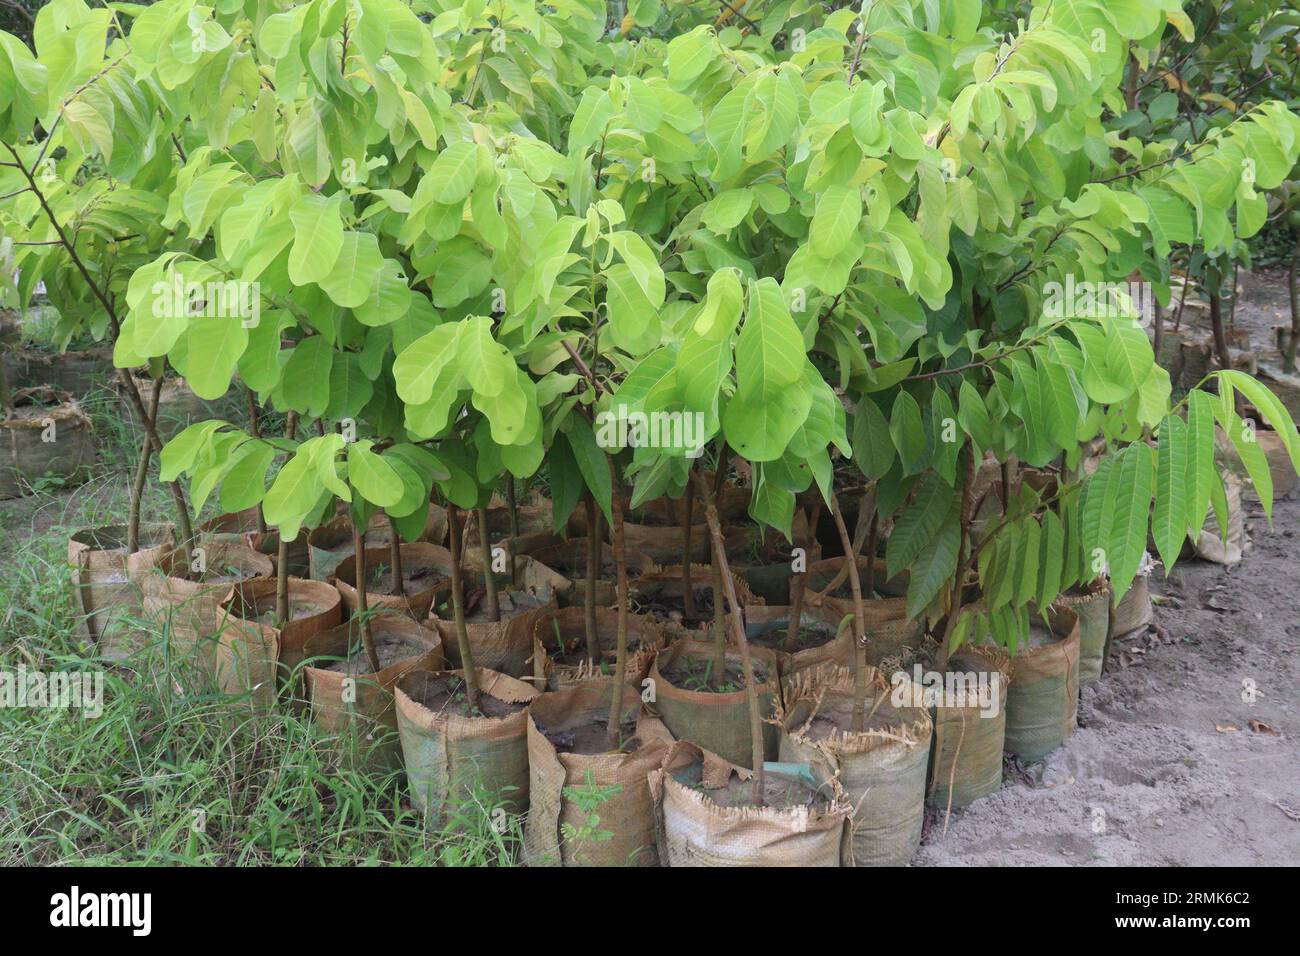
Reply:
x=1147, y=779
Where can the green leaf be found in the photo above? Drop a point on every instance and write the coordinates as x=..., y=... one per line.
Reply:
x=908, y=432
x=918, y=524
x=836, y=220
x=873, y=448
x=592, y=462
x=350, y=279
x=306, y=379
x=1169, y=522
x=1132, y=477
x=317, y=239
x=373, y=477
x=453, y=173
x=1201, y=472
x=936, y=564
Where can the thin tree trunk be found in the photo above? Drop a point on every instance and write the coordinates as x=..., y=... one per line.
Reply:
x=255, y=427
x=620, y=566
x=141, y=475
x=395, y=558
x=491, y=600
x=1216, y=323
x=282, y=551
x=363, y=609
x=1293, y=288
x=593, y=574
x=458, y=608
x=512, y=510
x=689, y=611
x=719, y=612
x=799, y=582
x=185, y=525
x=718, y=670
x=751, y=689
x=859, y=617
x=1158, y=325
x=873, y=540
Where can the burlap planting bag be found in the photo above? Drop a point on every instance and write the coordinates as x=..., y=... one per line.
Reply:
x=243, y=650
x=426, y=573
x=1092, y=604
x=1043, y=698
x=45, y=434
x=560, y=647
x=567, y=749
x=356, y=703
x=880, y=768
x=893, y=641
x=535, y=530
x=569, y=559
x=183, y=592
x=1209, y=544
x=107, y=599
x=241, y=527
x=660, y=593
x=705, y=815
x=329, y=544
x=505, y=645
x=716, y=720
x=820, y=639
x=448, y=752
x=968, y=738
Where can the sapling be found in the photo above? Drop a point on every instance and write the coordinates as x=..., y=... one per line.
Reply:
x=491, y=600
x=593, y=573
x=282, y=551
x=363, y=610
x=738, y=627
x=455, y=529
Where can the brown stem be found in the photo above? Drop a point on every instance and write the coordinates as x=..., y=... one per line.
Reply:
x=141, y=475
x=1216, y=323
x=689, y=611
x=395, y=558
x=593, y=572
x=859, y=617
x=458, y=608
x=719, y=668
x=512, y=511
x=492, y=602
x=620, y=566
x=799, y=583
x=1158, y=326
x=282, y=550
x=363, y=609
x=1293, y=288
x=873, y=539
x=254, y=426
x=751, y=689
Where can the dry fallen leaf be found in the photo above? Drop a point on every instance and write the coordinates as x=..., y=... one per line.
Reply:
x=1262, y=728
x=1225, y=728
